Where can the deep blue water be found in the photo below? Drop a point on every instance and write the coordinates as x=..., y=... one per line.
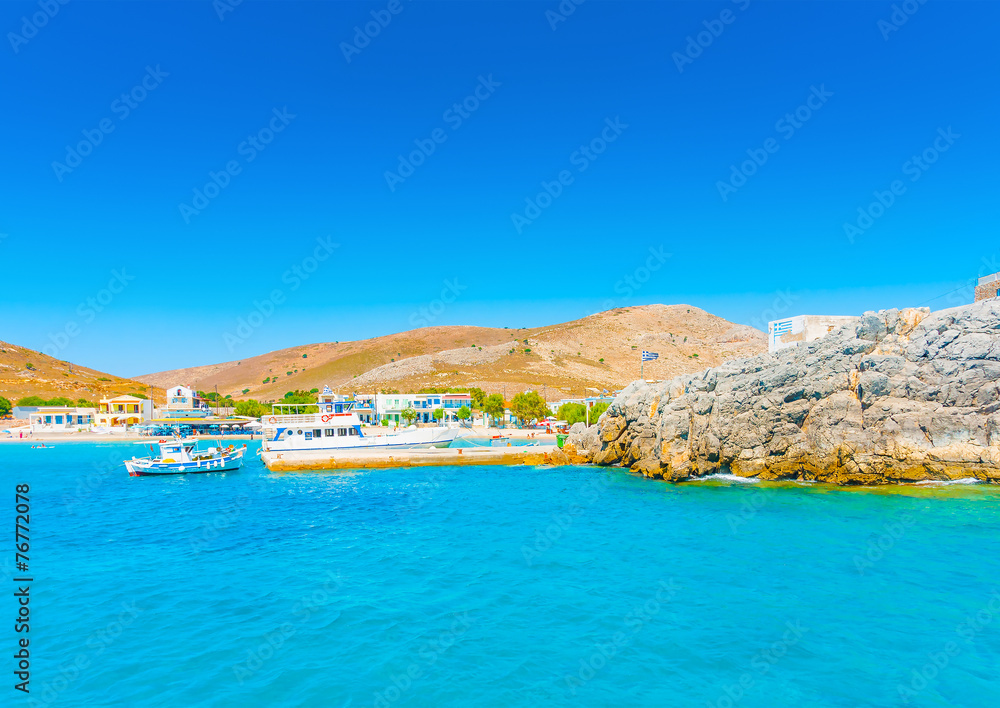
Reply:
x=438, y=588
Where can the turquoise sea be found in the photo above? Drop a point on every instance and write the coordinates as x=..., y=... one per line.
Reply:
x=490, y=586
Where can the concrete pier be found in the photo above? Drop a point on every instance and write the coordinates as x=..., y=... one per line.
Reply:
x=361, y=459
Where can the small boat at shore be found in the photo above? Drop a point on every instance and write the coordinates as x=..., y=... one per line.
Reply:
x=184, y=457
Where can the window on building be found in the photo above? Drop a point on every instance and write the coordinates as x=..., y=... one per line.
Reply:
x=58, y=420
x=341, y=431
x=317, y=433
x=352, y=431
x=48, y=420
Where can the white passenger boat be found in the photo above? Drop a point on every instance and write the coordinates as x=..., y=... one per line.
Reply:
x=184, y=457
x=335, y=426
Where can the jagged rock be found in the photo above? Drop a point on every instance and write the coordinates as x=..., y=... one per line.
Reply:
x=901, y=396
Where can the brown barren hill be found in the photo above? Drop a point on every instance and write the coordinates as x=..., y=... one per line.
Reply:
x=26, y=372
x=565, y=360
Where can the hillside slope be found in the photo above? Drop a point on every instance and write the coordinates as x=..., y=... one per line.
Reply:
x=50, y=378
x=569, y=359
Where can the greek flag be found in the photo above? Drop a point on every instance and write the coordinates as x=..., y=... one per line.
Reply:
x=649, y=356
x=327, y=391
x=782, y=327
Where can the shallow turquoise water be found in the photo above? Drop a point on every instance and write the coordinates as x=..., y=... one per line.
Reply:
x=438, y=588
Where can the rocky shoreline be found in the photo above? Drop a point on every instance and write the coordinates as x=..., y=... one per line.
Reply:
x=903, y=396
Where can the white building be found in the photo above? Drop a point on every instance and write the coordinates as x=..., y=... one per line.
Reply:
x=792, y=331
x=390, y=406
x=183, y=402
x=61, y=419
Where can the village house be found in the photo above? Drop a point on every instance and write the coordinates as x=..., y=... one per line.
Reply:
x=122, y=411
x=61, y=419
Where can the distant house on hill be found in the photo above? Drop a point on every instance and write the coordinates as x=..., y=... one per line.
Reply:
x=793, y=331
x=988, y=287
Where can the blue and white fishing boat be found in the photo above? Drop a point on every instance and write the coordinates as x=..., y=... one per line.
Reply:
x=336, y=426
x=184, y=457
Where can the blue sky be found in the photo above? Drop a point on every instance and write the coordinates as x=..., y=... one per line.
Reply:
x=639, y=117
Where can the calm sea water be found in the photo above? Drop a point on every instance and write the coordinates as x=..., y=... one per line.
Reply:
x=490, y=586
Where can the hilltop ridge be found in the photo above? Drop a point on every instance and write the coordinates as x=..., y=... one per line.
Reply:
x=567, y=359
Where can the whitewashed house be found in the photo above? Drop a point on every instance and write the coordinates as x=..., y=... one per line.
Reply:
x=61, y=419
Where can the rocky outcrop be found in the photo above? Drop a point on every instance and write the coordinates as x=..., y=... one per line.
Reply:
x=902, y=396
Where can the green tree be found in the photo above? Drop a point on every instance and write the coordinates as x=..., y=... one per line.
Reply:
x=5, y=407
x=528, y=407
x=408, y=415
x=572, y=413
x=31, y=401
x=494, y=406
x=596, y=410
x=251, y=409
x=438, y=414
x=463, y=413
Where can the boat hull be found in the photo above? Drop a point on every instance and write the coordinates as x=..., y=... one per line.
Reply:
x=143, y=468
x=405, y=440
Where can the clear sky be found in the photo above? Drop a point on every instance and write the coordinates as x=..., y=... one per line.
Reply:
x=707, y=153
